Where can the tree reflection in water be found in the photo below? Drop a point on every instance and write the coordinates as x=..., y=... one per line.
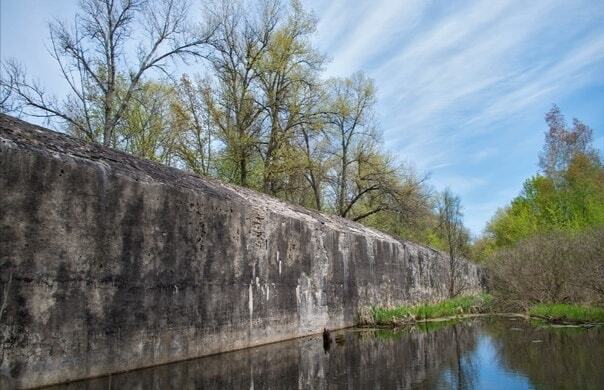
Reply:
x=477, y=353
x=551, y=357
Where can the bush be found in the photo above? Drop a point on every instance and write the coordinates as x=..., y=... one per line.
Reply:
x=550, y=268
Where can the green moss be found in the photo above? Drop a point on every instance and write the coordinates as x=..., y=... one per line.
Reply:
x=567, y=313
x=448, y=308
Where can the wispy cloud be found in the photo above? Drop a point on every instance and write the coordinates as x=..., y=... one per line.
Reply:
x=462, y=86
x=370, y=35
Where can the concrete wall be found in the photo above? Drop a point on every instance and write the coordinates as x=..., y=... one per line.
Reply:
x=110, y=263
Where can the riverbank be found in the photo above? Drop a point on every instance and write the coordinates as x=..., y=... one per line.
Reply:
x=477, y=305
x=450, y=308
x=567, y=314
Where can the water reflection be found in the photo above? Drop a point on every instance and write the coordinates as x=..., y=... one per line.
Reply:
x=479, y=353
x=560, y=357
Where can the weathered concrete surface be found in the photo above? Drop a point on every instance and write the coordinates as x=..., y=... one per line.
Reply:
x=110, y=263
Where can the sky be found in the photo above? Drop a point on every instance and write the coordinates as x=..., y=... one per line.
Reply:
x=462, y=86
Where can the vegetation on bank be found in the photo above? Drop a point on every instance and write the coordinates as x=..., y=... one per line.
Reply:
x=402, y=315
x=567, y=313
x=478, y=304
x=559, y=267
x=547, y=245
x=566, y=195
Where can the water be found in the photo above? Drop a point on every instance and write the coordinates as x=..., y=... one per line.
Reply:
x=482, y=353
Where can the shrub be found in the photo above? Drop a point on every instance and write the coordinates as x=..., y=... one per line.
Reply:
x=550, y=268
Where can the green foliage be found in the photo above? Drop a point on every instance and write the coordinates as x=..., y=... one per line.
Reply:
x=567, y=313
x=572, y=205
x=148, y=129
x=483, y=249
x=568, y=196
x=451, y=307
x=546, y=245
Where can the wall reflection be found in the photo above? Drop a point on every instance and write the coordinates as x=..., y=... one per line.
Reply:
x=428, y=356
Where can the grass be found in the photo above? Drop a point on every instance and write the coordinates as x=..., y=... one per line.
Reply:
x=449, y=308
x=482, y=303
x=558, y=312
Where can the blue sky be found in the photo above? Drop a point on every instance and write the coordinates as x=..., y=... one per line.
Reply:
x=462, y=85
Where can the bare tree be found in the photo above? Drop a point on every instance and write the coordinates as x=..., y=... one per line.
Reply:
x=92, y=57
x=350, y=115
x=550, y=267
x=456, y=239
x=195, y=146
x=10, y=72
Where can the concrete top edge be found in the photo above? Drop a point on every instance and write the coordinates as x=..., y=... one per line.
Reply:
x=16, y=133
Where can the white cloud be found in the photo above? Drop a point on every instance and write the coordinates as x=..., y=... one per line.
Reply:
x=458, y=81
x=375, y=32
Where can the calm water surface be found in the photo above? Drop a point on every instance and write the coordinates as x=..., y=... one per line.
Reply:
x=484, y=353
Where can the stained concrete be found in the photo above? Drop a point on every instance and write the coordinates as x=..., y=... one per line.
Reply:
x=110, y=263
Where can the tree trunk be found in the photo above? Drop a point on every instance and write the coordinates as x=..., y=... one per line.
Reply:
x=343, y=179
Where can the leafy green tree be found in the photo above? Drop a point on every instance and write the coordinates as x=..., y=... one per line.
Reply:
x=149, y=128
x=567, y=196
x=313, y=141
x=287, y=89
x=239, y=45
x=353, y=136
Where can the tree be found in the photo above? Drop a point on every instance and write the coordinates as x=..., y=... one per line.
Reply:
x=287, y=88
x=260, y=115
x=562, y=143
x=240, y=42
x=456, y=239
x=193, y=117
x=10, y=72
x=353, y=132
x=93, y=60
x=149, y=128
x=567, y=196
x=314, y=143
x=363, y=180
x=550, y=267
